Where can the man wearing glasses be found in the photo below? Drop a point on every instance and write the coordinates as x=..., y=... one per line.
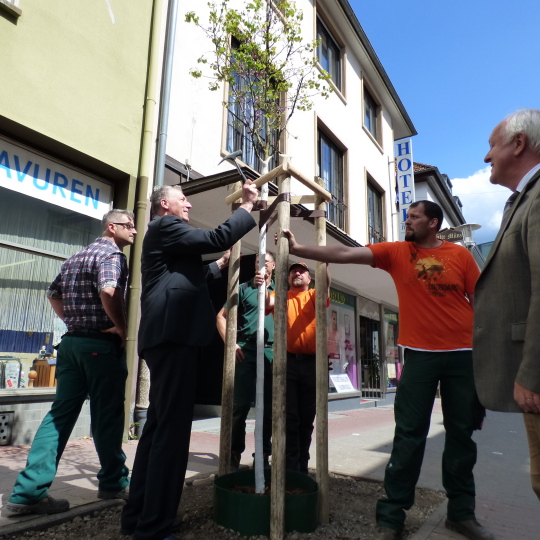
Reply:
x=89, y=296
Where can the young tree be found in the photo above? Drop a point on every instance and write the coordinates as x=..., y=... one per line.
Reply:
x=271, y=72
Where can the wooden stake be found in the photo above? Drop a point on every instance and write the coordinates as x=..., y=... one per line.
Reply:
x=229, y=362
x=277, y=501
x=322, y=367
x=314, y=186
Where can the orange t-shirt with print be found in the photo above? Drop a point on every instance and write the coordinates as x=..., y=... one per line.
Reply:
x=431, y=284
x=301, y=322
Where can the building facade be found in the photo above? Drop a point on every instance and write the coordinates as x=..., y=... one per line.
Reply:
x=347, y=140
x=71, y=121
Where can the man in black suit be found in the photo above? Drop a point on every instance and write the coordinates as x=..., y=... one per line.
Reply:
x=176, y=314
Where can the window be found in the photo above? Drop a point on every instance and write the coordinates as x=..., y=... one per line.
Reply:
x=11, y=7
x=330, y=159
x=329, y=53
x=370, y=114
x=239, y=120
x=375, y=215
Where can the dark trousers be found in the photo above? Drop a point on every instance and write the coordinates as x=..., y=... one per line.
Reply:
x=86, y=367
x=301, y=401
x=162, y=454
x=413, y=406
x=245, y=378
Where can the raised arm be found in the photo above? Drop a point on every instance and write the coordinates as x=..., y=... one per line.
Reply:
x=330, y=254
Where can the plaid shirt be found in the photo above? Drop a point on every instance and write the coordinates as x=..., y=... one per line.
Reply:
x=81, y=279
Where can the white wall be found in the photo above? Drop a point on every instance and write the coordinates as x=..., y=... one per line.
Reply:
x=197, y=118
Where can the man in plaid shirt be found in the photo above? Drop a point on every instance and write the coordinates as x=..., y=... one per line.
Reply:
x=89, y=296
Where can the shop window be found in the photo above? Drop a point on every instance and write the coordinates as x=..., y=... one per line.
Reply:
x=35, y=239
x=375, y=214
x=370, y=114
x=342, y=342
x=370, y=358
x=328, y=53
x=330, y=161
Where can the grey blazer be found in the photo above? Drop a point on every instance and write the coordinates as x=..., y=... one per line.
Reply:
x=506, y=346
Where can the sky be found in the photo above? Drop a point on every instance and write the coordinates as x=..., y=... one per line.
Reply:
x=459, y=68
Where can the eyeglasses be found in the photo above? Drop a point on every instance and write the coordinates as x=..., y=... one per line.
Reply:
x=127, y=225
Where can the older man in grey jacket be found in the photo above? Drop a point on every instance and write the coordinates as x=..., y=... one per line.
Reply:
x=507, y=296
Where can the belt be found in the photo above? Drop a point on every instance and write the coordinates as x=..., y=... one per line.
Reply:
x=297, y=356
x=92, y=334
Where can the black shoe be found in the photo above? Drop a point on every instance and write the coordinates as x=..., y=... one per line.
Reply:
x=122, y=494
x=385, y=533
x=470, y=529
x=48, y=505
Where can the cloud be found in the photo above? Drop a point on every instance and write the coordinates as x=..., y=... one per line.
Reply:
x=482, y=201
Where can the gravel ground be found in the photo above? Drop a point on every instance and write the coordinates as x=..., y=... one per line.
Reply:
x=352, y=510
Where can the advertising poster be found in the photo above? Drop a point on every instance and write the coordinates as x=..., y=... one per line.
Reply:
x=341, y=336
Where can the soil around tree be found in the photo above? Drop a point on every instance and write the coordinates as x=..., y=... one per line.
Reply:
x=352, y=514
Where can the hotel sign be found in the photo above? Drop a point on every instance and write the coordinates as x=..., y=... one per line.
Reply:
x=404, y=181
x=450, y=235
x=35, y=175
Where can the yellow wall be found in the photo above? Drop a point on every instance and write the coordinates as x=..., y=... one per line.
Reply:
x=75, y=71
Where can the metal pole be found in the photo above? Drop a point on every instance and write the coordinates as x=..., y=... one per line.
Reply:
x=168, y=54
x=147, y=147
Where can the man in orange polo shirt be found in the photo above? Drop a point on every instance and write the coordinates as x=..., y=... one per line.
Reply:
x=435, y=283
x=301, y=381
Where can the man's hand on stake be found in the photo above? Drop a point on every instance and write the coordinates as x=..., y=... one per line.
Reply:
x=223, y=262
x=259, y=279
x=292, y=241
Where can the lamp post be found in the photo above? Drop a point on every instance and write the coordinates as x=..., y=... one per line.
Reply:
x=467, y=231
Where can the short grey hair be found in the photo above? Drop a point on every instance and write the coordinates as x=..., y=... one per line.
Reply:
x=159, y=194
x=114, y=215
x=525, y=121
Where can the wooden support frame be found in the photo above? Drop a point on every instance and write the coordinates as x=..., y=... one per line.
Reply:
x=283, y=172
x=227, y=387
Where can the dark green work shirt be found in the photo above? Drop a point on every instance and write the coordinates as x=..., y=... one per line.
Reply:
x=248, y=317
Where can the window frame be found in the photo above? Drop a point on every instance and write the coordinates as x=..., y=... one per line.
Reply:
x=237, y=138
x=336, y=75
x=336, y=208
x=11, y=7
x=374, y=236
x=374, y=109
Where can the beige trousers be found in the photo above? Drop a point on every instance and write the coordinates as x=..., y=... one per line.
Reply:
x=532, y=423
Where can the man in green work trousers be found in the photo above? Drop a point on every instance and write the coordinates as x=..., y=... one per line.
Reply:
x=89, y=296
x=246, y=362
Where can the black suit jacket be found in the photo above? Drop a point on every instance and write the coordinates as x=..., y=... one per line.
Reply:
x=175, y=303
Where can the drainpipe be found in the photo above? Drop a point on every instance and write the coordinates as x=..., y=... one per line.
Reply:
x=145, y=160
x=166, y=93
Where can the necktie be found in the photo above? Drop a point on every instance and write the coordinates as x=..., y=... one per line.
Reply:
x=508, y=206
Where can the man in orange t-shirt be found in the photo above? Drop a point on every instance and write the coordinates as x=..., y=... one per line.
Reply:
x=435, y=283
x=301, y=348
